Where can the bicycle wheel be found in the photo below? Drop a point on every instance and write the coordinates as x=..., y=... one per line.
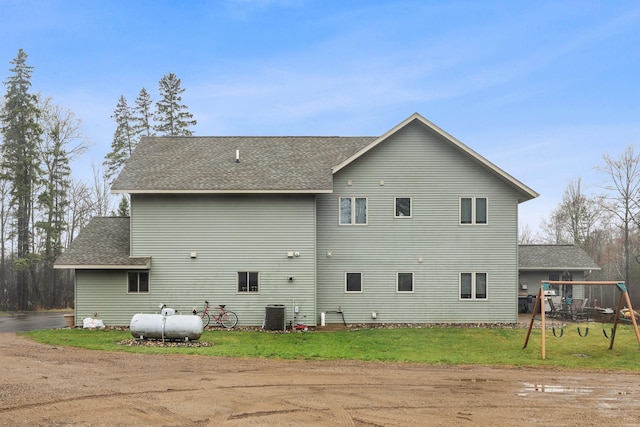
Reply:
x=205, y=318
x=229, y=319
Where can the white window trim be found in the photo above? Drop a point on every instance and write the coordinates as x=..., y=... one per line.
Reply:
x=473, y=286
x=413, y=282
x=473, y=211
x=361, y=282
x=138, y=273
x=353, y=207
x=395, y=203
x=248, y=292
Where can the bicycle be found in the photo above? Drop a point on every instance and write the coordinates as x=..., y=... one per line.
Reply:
x=226, y=318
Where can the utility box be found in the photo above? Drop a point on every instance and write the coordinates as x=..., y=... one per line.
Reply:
x=275, y=317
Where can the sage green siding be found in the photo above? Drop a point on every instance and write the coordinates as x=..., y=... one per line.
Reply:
x=533, y=279
x=415, y=162
x=232, y=233
x=103, y=294
x=229, y=234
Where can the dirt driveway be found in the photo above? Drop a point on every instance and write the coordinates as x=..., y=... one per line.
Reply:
x=53, y=386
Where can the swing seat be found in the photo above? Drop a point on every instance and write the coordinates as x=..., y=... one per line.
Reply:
x=586, y=332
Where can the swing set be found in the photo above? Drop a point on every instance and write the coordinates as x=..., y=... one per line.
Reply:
x=539, y=309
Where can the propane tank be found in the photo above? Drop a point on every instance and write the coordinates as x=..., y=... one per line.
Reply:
x=157, y=326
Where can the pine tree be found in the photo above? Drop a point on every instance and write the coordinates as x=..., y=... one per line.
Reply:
x=21, y=134
x=142, y=114
x=60, y=129
x=123, y=207
x=172, y=118
x=123, y=139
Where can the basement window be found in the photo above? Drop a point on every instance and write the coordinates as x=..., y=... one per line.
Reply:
x=353, y=282
x=138, y=282
x=405, y=282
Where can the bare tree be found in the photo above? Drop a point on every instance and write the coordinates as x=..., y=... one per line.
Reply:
x=577, y=217
x=61, y=142
x=103, y=200
x=526, y=236
x=553, y=231
x=81, y=208
x=622, y=183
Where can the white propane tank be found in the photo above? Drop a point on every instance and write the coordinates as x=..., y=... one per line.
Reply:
x=322, y=319
x=176, y=327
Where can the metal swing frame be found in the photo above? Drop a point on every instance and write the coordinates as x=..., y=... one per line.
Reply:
x=539, y=309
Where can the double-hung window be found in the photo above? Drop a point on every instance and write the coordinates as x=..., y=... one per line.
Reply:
x=402, y=207
x=473, y=286
x=353, y=282
x=247, y=281
x=138, y=282
x=353, y=210
x=473, y=210
x=404, y=282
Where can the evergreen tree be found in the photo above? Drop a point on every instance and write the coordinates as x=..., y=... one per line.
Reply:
x=172, y=117
x=22, y=134
x=123, y=207
x=142, y=114
x=123, y=139
x=60, y=128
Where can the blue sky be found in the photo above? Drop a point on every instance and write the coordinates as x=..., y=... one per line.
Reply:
x=542, y=89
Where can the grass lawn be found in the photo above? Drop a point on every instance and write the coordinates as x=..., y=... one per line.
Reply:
x=450, y=346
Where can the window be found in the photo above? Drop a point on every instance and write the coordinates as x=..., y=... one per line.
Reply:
x=248, y=281
x=138, y=282
x=403, y=207
x=353, y=282
x=473, y=286
x=405, y=282
x=473, y=210
x=353, y=210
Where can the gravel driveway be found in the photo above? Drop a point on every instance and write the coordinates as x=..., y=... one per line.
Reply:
x=52, y=386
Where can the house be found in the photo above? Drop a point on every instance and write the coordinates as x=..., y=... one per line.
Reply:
x=538, y=263
x=409, y=227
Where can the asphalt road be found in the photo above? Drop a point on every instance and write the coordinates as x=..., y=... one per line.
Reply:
x=29, y=321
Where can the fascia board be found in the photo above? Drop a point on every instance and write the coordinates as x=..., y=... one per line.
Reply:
x=142, y=191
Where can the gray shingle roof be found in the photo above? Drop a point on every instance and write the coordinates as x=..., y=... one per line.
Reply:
x=103, y=243
x=554, y=257
x=208, y=164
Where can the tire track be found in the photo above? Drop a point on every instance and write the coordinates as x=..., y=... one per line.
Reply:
x=91, y=397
